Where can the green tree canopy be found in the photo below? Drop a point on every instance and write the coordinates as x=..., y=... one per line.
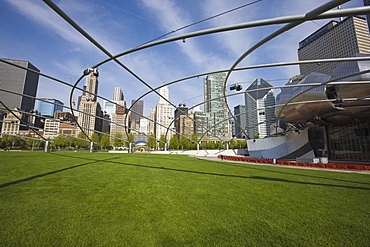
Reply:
x=151, y=141
x=95, y=137
x=195, y=139
x=233, y=144
x=185, y=143
x=104, y=141
x=163, y=140
x=80, y=143
x=117, y=142
x=174, y=142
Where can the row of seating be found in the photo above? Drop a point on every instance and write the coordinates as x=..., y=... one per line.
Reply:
x=330, y=165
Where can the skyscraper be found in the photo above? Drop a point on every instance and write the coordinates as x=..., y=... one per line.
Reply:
x=239, y=112
x=367, y=3
x=137, y=107
x=92, y=83
x=259, y=111
x=334, y=40
x=118, y=119
x=165, y=94
x=20, y=81
x=215, y=104
x=89, y=105
x=48, y=109
x=117, y=94
x=181, y=110
x=164, y=115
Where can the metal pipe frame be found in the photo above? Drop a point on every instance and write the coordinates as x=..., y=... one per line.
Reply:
x=301, y=19
x=40, y=99
x=281, y=20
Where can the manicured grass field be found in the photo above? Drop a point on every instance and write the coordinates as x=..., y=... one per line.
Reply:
x=83, y=199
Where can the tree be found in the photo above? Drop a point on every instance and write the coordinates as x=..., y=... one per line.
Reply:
x=6, y=142
x=163, y=140
x=219, y=145
x=151, y=141
x=59, y=142
x=130, y=139
x=14, y=141
x=185, y=143
x=2, y=142
x=117, y=142
x=80, y=143
x=104, y=142
x=174, y=142
x=233, y=144
x=242, y=144
x=256, y=136
x=95, y=137
x=69, y=141
x=195, y=140
x=29, y=142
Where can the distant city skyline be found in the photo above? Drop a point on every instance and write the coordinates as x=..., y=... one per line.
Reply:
x=49, y=34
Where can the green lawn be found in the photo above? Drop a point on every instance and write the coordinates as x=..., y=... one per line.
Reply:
x=83, y=199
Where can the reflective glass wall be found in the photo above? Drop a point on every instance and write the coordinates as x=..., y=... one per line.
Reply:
x=350, y=142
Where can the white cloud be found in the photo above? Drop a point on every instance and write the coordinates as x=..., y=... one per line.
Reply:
x=45, y=17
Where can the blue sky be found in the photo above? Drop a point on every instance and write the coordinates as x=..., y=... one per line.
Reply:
x=31, y=31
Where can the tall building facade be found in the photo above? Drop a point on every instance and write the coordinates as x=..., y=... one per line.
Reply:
x=367, y=3
x=239, y=112
x=118, y=119
x=117, y=94
x=89, y=107
x=260, y=114
x=203, y=124
x=181, y=110
x=185, y=125
x=48, y=109
x=111, y=108
x=138, y=111
x=164, y=115
x=11, y=123
x=334, y=40
x=215, y=104
x=151, y=121
x=20, y=81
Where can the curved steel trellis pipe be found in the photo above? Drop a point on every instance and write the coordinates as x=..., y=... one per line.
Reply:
x=60, y=12
x=322, y=84
x=67, y=84
x=53, y=6
x=20, y=120
x=59, y=133
x=81, y=112
x=313, y=85
x=330, y=60
x=279, y=105
x=315, y=12
x=265, y=22
x=21, y=136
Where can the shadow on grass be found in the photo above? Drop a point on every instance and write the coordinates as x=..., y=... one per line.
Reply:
x=245, y=177
x=182, y=170
x=273, y=171
x=49, y=173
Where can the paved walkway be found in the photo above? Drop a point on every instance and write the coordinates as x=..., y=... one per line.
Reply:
x=297, y=167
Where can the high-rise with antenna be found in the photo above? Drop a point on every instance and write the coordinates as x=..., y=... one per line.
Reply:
x=88, y=106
